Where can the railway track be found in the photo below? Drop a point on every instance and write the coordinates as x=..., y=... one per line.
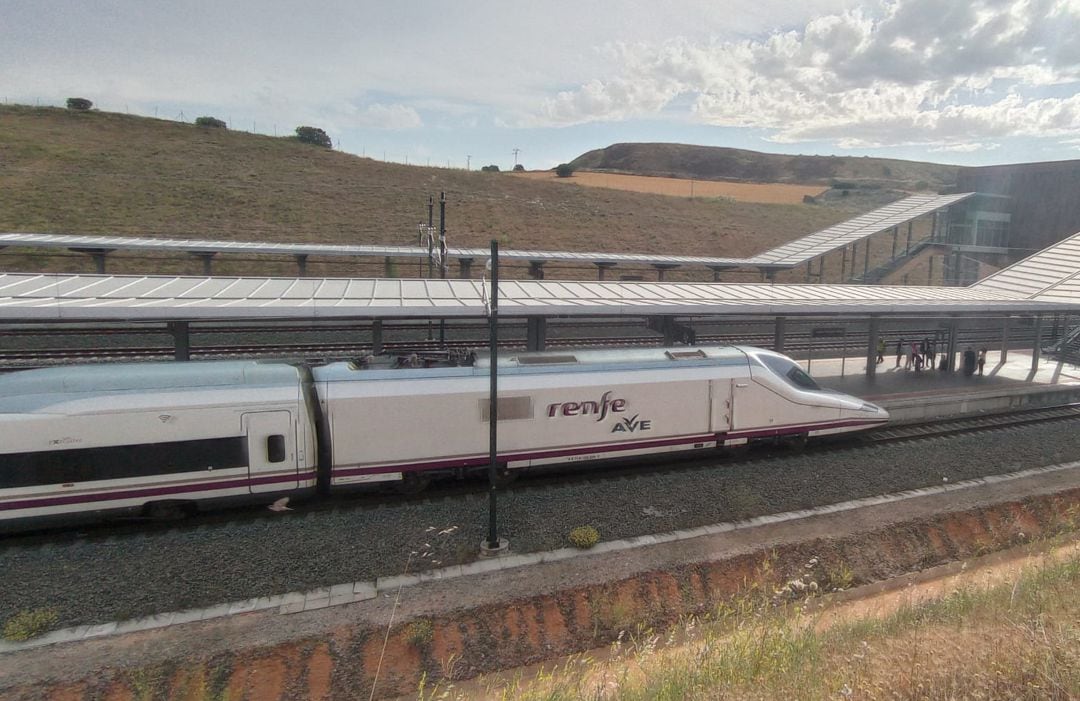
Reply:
x=798, y=345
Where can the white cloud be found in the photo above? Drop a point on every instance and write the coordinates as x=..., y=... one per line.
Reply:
x=964, y=148
x=922, y=72
x=380, y=116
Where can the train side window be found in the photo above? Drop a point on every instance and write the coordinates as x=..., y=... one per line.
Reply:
x=275, y=448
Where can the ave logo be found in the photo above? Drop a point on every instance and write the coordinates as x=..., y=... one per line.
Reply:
x=632, y=425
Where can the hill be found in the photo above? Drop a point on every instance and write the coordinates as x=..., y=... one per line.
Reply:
x=108, y=173
x=716, y=163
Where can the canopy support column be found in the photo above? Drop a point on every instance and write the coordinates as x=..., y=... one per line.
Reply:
x=181, y=340
x=535, y=333
x=872, y=348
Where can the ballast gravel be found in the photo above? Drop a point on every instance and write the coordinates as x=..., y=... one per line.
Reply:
x=95, y=578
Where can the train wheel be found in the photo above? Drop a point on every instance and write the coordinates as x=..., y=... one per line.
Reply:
x=796, y=443
x=413, y=483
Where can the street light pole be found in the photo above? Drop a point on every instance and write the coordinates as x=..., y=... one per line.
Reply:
x=493, y=545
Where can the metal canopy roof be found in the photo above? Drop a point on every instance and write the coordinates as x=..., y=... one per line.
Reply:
x=106, y=297
x=861, y=227
x=786, y=256
x=297, y=249
x=1047, y=272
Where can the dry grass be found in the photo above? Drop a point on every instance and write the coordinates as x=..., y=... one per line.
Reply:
x=1017, y=639
x=102, y=173
x=765, y=193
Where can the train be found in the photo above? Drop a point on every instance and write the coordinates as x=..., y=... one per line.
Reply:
x=163, y=439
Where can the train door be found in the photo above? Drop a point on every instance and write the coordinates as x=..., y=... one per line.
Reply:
x=271, y=450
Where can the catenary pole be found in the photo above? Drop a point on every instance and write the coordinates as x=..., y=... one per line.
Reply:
x=493, y=407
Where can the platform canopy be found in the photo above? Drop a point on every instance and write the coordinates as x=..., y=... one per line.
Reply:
x=44, y=297
x=853, y=230
x=784, y=257
x=1053, y=273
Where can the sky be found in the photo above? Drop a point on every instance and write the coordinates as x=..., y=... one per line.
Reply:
x=467, y=83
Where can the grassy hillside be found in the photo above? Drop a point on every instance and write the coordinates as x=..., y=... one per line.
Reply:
x=99, y=172
x=714, y=163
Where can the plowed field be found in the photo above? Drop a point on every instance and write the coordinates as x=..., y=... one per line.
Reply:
x=768, y=193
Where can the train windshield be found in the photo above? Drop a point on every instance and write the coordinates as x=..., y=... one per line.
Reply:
x=791, y=372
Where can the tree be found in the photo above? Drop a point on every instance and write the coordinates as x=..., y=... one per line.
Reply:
x=79, y=103
x=313, y=135
x=213, y=122
x=518, y=168
x=490, y=169
x=564, y=170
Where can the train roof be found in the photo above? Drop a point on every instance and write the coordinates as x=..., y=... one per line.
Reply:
x=608, y=356
x=529, y=363
x=116, y=377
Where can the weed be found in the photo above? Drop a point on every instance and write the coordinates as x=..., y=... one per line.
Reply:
x=419, y=633
x=584, y=537
x=28, y=624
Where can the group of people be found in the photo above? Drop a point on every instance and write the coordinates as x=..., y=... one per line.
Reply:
x=919, y=355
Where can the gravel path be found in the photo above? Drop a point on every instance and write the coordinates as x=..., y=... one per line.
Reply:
x=103, y=578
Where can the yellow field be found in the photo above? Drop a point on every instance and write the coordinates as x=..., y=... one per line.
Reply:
x=767, y=193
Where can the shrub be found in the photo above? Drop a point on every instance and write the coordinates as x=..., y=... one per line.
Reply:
x=584, y=537
x=79, y=103
x=313, y=135
x=419, y=633
x=490, y=169
x=518, y=168
x=564, y=170
x=30, y=624
x=211, y=122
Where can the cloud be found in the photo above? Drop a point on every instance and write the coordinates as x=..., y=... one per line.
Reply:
x=964, y=148
x=921, y=72
x=380, y=116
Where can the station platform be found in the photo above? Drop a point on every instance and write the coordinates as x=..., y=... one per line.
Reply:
x=912, y=396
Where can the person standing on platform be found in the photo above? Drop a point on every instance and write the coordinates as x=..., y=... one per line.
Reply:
x=916, y=352
x=927, y=344
x=881, y=351
x=899, y=351
x=969, y=361
x=982, y=360
x=909, y=355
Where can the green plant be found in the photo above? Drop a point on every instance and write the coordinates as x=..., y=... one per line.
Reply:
x=419, y=633
x=518, y=168
x=313, y=135
x=564, y=170
x=210, y=122
x=30, y=624
x=839, y=576
x=79, y=103
x=584, y=537
x=490, y=169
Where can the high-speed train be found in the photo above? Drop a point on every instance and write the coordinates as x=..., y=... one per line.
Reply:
x=82, y=441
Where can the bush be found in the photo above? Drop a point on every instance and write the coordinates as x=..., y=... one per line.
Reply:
x=584, y=537
x=30, y=624
x=564, y=170
x=518, y=168
x=313, y=135
x=211, y=122
x=419, y=633
x=490, y=169
x=79, y=103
